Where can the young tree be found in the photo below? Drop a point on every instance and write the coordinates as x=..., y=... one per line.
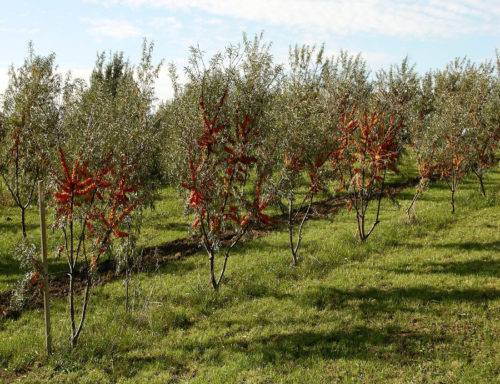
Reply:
x=484, y=131
x=458, y=98
x=426, y=166
x=423, y=140
x=306, y=137
x=28, y=122
x=368, y=148
x=107, y=168
x=91, y=205
x=453, y=164
x=219, y=126
x=217, y=184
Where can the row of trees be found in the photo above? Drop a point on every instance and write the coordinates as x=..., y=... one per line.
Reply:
x=251, y=131
x=241, y=135
x=458, y=127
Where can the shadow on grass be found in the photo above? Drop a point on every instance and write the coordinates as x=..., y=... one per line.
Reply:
x=492, y=246
x=373, y=300
x=471, y=185
x=14, y=226
x=389, y=343
x=463, y=268
x=130, y=366
x=9, y=266
x=471, y=246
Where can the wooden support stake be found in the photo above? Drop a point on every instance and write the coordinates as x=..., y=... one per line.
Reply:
x=43, y=231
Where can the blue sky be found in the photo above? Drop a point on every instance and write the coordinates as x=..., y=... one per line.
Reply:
x=431, y=32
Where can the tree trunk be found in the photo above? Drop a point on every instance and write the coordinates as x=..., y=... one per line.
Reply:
x=72, y=310
x=418, y=191
x=217, y=281
x=294, y=255
x=213, y=280
x=411, y=205
x=74, y=339
x=290, y=232
x=361, y=226
x=301, y=226
x=452, y=200
x=23, y=220
x=126, y=289
x=483, y=191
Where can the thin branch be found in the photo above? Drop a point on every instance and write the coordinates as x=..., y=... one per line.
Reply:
x=226, y=256
x=14, y=196
x=35, y=179
x=377, y=221
x=84, y=309
x=306, y=214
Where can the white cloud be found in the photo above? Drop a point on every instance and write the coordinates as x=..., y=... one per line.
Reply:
x=117, y=29
x=26, y=31
x=214, y=21
x=420, y=19
x=378, y=60
x=168, y=23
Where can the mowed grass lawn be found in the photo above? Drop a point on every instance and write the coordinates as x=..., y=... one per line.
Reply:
x=416, y=303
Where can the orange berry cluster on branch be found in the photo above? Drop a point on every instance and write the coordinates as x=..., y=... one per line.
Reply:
x=103, y=196
x=219, y=162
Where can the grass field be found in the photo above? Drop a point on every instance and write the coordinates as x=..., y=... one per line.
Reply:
x=416, y=303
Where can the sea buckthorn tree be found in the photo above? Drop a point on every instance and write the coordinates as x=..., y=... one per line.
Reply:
x=220, y=126
x=28, y=121
x=484, y=115
x=306, y=138
x=105, y=169
x=92, y=204
x=460, y=95
x=423, y=141
x=368, y=147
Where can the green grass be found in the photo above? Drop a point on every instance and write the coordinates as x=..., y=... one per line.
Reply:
x=165, y=222
x=414, y=304
x=11, y=235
